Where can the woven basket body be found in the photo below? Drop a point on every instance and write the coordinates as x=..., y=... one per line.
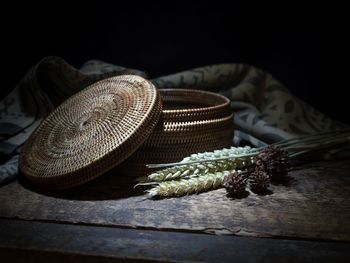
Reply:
x=192, y=121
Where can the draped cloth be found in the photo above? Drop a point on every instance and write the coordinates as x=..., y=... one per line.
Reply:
x=265, y=111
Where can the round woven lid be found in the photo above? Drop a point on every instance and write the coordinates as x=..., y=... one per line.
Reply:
x=91, y=132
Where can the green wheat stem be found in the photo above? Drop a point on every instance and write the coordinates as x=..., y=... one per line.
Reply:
x=163, y=165
x=311, y=138
x=318, y=145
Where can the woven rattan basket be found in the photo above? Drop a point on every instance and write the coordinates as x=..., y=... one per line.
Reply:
x=120, y=120
x=192, y=121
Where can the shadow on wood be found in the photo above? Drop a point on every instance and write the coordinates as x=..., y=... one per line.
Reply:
x=110, y=186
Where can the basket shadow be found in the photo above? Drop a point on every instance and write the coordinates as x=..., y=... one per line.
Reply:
x=110, y=186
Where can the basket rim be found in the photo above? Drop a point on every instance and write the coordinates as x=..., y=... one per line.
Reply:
x=225, y=101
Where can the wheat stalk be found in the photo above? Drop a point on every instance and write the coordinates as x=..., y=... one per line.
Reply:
x=206, y=171
x=193, y=170
x=209, y=181
x=208, y=162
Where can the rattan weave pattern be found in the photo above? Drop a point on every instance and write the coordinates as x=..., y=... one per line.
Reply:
x=201, y=105
x=192, y=121
x=91, y=132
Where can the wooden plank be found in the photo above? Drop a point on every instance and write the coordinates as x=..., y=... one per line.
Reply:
x=314, y=204
x=49, y=242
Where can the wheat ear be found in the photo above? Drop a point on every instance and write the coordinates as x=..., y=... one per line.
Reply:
x=209, y=181
x=209, y=162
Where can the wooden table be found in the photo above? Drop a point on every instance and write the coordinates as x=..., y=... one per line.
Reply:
x=307, y=218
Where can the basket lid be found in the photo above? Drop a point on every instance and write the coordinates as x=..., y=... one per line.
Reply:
x=91, y=132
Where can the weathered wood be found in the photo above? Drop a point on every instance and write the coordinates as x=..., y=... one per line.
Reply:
x=49, y=242
x=314, y=203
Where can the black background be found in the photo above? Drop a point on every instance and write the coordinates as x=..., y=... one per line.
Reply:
x=305, y=48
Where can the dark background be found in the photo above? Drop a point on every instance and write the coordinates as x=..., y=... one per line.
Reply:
x=305, y=48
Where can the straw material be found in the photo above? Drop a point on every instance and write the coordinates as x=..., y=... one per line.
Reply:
x=192, y=121
x=91, y=132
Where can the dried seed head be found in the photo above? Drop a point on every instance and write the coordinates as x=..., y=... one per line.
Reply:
x=273, y=161
x=235, y=183
x=259, y=181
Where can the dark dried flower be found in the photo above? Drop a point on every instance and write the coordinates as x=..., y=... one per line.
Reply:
x=259, y=181
x=273, y=161
x=235, y=183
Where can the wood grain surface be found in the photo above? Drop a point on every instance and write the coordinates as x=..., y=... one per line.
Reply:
x=29, y=241
x=314, y=203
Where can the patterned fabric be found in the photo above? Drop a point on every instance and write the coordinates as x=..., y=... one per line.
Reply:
x=265, y=111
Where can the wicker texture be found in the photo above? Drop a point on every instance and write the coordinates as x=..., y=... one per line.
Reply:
x=192, y=121
x=91, y=132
